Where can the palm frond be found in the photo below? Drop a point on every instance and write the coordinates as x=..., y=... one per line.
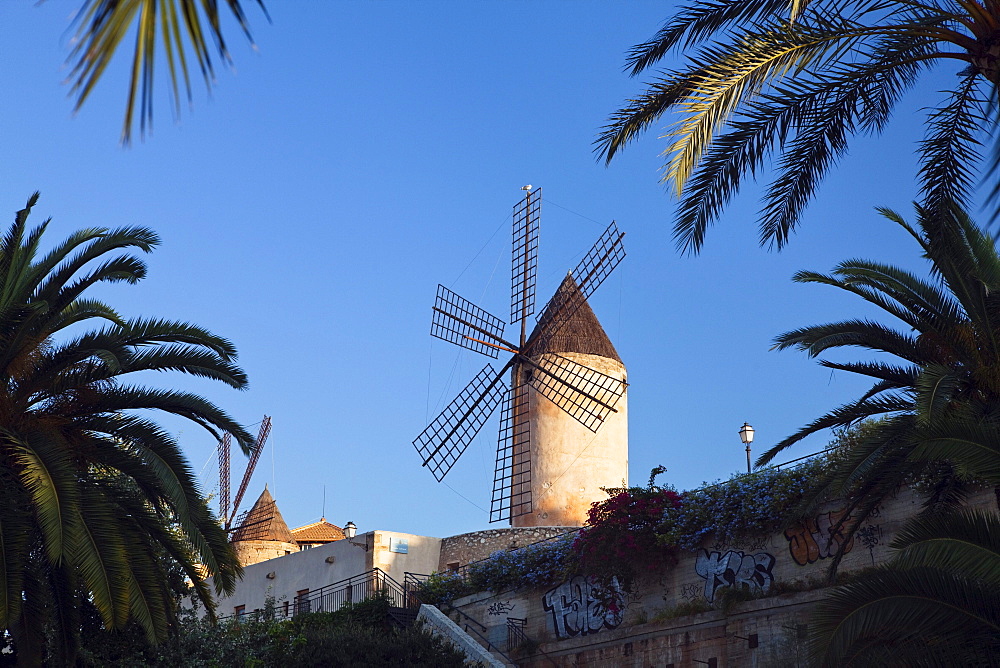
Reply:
x=104, y=24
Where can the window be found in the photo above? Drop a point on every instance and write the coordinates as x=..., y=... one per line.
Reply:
x=239, y=611
x=285, y=606
x=306, y=546
x=301, y=601
x=453, y=566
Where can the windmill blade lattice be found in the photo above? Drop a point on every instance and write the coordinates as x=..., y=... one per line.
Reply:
x=512, y=476
x=459, y=321
x=606, y=254
x=524, y=256
x=446, y=438
x=586, y=394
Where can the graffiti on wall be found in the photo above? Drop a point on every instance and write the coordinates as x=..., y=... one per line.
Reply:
x=577, y=609
x=870, y=536
x=499, y=608
x=735, y=569
x=818, y=537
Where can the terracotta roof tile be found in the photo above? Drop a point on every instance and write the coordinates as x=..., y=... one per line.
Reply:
x=318, y=532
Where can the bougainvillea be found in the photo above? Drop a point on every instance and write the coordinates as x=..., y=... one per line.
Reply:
x=641, y=529
x=620, y=538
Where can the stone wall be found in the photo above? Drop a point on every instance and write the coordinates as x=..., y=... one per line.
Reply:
x=468, y=547
x=252, y=552
x=787, y=569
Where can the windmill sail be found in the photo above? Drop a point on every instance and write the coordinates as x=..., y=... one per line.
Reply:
x=512, y=476
x=606, y=254
x=459, y=321
x=524, y=264
x=586, y=394
x=446, y=438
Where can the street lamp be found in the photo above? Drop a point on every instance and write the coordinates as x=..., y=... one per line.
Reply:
x=350, y=531
x=746, y=435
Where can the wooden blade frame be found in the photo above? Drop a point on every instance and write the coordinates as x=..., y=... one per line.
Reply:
x=512, y=476
x=586, y=394
x=461, y=322
x=225, y=448
x=257, y=527
x=446, y=438
x=265, y=430
x=524, y=256
x=606, y=254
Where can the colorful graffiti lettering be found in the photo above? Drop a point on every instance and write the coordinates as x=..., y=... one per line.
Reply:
x=735, y=569
x=818, y=537
x=577, y=609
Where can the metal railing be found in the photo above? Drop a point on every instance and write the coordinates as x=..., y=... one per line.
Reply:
x=332, y=597
x=476, y=629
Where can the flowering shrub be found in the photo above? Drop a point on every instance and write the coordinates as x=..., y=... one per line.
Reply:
x=620, y=538
x=538, y=564
x=741, y=508
x=640, y=529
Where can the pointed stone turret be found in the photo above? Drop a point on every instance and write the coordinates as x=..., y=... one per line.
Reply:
x=569, y=462
x=263, y=533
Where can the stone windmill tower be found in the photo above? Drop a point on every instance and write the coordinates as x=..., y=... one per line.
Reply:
x=563, y=425
x=569, y=462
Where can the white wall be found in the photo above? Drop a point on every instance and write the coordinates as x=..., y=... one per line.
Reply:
x=309, y=569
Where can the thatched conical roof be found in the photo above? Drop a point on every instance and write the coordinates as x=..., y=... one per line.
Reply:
x=580, y=333
x=264, y=522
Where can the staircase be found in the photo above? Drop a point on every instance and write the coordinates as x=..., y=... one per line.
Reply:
x=403, y=617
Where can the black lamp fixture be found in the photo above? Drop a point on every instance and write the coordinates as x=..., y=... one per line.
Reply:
x=746, y=435
x=350, y=531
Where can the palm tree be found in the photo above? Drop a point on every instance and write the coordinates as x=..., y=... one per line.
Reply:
x=940, y=389
x=93, y=490
x=936, y=604
x=797, y=80
x=103, y=24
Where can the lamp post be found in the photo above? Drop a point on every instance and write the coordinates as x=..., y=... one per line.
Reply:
x=350, y=531
x=746, y=435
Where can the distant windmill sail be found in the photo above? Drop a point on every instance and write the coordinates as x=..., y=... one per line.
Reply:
x=588, y=395
x=229, y=507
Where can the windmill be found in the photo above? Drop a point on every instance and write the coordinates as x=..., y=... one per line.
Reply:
x=226, y=513
x=586, y=394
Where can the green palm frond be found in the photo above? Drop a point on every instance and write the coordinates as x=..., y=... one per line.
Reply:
x=864, y=334
x=796, y=82
x=844, y=416
x=950, y=152
x=740, y=70
x=45, y=471
x=101, y=557
x=966, y=541
x=180, y=25
x=697, y=21
x=936, y=389
x=93, y=495
x=889, y=608
x=973, y=443
x=894, y=376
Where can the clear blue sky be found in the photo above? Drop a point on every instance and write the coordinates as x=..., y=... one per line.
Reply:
x=371, y=150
